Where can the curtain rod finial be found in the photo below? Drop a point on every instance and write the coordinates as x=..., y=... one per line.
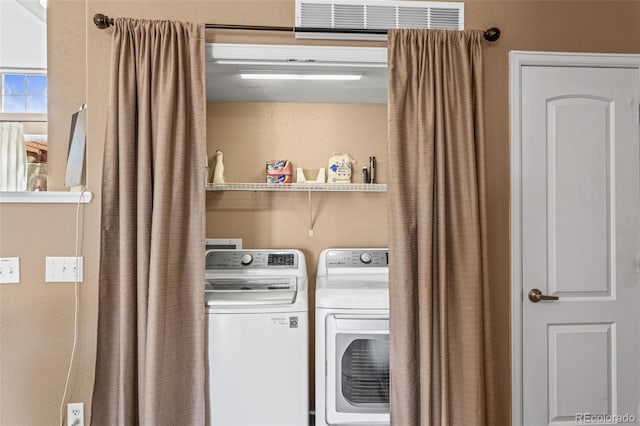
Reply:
x=102, y=21
x=492, y=34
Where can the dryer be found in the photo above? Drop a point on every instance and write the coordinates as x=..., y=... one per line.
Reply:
x=257, y=338
x=352, y=337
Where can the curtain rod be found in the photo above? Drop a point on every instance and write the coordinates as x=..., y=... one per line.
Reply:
x=103, y=21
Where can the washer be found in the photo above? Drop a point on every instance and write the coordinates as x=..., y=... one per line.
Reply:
x=352, y=337
x=257, y=338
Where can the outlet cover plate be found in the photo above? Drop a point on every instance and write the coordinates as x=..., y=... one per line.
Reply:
x=9, y=270
x=63, y=269
x=75, y=414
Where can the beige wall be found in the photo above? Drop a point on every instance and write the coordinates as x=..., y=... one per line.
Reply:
x=249, y=134
x=36, y=318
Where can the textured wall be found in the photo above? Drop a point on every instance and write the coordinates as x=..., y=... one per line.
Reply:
x=36, y=318
x=307, y=134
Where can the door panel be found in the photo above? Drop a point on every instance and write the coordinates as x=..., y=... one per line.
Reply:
x=581, y=374
x=580, y=189
x=579, y=183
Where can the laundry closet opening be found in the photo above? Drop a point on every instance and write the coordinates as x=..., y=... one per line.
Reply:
x=255, y=120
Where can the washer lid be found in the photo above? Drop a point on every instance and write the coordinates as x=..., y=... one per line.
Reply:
x=250, y=292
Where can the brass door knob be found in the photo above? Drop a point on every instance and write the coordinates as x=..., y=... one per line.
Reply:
x=536, y=295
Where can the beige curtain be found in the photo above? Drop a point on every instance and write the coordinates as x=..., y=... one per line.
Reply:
x=13, y=157
x=150, y=366
x=441, y=365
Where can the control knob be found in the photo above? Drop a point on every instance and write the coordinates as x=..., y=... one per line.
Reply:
x=246, y=259
x=365, y=258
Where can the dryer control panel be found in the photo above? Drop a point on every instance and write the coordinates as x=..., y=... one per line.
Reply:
x=358, y=258
x=251, y=259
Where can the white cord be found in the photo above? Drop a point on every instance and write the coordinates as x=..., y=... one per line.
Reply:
x=75, y=311
x=75, y=283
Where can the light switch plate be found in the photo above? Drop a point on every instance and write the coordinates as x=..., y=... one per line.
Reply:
x=63, y=269
x=9, y=270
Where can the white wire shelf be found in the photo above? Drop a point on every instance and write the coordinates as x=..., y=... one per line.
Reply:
x=299, y=187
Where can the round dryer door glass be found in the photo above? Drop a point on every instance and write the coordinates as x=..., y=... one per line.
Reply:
x=365, y=373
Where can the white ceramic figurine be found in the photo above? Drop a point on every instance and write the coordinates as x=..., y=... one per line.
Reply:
x=218, y=174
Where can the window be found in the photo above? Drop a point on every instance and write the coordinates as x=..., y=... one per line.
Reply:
x=24, y=93
x=23, y=82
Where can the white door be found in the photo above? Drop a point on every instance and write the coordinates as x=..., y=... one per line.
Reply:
x=576, y=214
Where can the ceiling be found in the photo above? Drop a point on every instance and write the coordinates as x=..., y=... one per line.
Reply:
x=225, y=62
x=36, y=7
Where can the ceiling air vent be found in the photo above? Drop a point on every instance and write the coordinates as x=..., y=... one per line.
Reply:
x=343, y=16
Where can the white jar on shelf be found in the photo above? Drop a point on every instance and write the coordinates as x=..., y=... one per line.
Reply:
x=339, y=170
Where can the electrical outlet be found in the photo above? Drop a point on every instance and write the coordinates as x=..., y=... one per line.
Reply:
x=75, y=414
x=63, y=269
x=9, y=270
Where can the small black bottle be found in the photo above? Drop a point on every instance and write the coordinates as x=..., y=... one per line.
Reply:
x=365, y=175
x=372, y=169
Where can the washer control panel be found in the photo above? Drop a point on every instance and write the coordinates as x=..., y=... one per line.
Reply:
x=359, y=258
x=250, y=259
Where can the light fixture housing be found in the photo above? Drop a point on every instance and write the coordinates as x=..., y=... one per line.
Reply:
x=253, y=75
x=300, y=63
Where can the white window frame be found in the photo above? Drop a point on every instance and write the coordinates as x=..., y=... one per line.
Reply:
x=22, y=116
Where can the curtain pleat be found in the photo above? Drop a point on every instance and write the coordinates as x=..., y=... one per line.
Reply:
x=150, y=367
x=441, y=365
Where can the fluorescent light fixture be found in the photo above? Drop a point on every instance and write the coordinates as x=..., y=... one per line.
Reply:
x=300, y=63
x=298, y=76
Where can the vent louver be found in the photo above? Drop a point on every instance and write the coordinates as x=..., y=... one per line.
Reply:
x=374, y=15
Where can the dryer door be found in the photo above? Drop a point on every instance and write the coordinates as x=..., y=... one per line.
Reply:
x=357, y=369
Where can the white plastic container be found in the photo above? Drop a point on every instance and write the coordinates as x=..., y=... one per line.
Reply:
x=339, y=170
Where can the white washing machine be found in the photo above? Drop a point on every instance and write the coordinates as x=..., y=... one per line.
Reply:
x=257, y=338
x=352, y=337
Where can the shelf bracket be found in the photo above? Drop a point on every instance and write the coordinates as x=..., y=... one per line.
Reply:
x=310, y=215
